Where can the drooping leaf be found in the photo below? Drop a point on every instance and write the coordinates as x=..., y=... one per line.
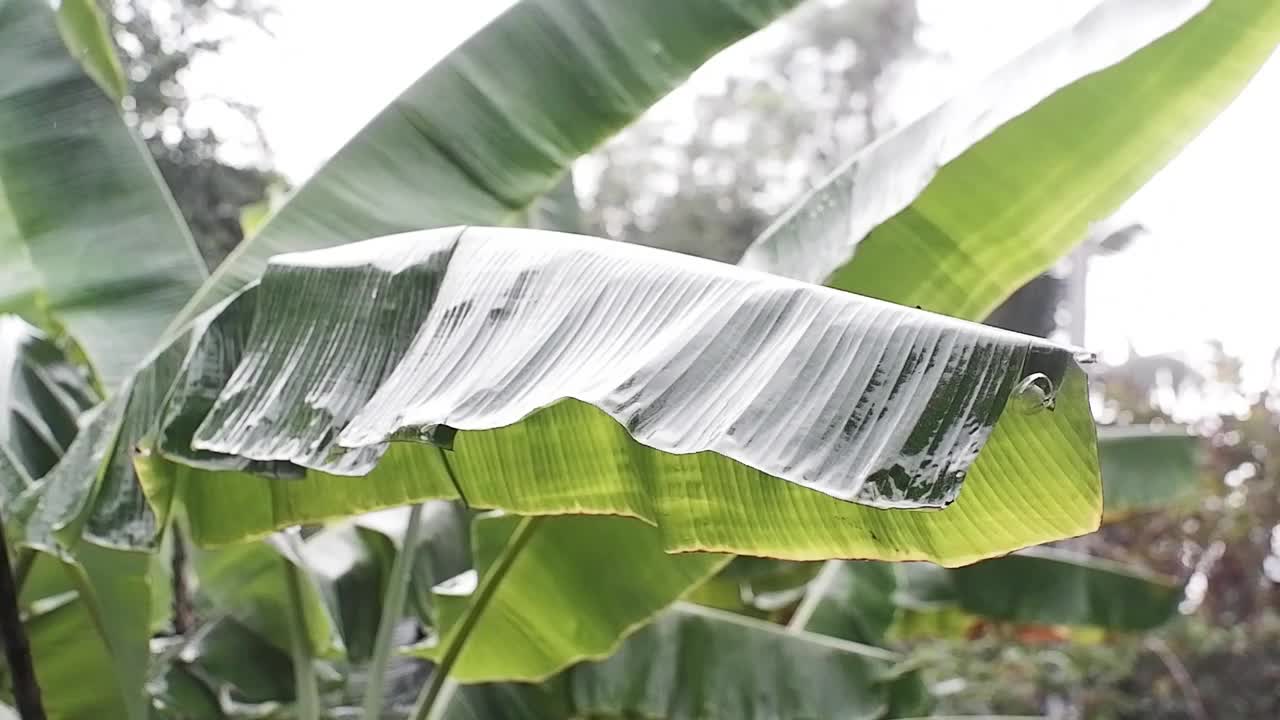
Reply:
x=89, y=236
x=1145, y=468
x=1036, y=586
x=714, y=371
x=577, y=588
x=495, y=124
x=955, y=211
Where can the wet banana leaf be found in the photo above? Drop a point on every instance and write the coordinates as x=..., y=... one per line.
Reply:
x=956, y=210
x=90, y=240
x=576, y=376
x=494, y=125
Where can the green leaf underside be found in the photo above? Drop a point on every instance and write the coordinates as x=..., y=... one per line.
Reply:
x=1145, y=468
x=694, y=663
x=482, y=327
x=88, y=232
x=611, y=571
x=923, y=219
x=538, y=87
x=1039, y=586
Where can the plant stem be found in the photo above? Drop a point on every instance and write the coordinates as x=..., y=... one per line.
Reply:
x=304, y=675
x=183, y=610
x=26, y=690
x=456, y=639
x=392, y=607
x=22, y=568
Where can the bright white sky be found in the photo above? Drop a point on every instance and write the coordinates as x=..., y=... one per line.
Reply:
x=1205, y=272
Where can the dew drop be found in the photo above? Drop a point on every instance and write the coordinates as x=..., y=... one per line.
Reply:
x=1034, y=393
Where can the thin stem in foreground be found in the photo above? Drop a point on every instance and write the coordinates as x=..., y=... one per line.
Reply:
x=17, y=649
x=392, y=607
x=456, y=639
x=300, y=640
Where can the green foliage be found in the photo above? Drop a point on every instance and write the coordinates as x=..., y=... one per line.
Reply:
x=567, y=381
x=77, y=194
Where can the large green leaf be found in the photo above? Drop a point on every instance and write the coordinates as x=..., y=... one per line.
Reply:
x=578, y=586
x=1038, y=586
x=693, y=663
x=85, y=670
x=489, y=129
x=1146, y=468
x=650, y=384
x=956, y=210
x=89, y=237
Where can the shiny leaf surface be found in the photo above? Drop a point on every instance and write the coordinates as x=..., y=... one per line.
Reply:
x=475, y=330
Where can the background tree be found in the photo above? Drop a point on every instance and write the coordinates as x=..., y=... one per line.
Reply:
x=159, y=41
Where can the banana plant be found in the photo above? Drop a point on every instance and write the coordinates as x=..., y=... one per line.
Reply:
x=849, y=427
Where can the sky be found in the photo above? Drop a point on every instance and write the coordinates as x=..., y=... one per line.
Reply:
x=1203, y=272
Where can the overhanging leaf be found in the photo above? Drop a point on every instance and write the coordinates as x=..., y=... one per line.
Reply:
x=495, y=124
x=89, y=236
x=956, y=210
x=477, y=329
